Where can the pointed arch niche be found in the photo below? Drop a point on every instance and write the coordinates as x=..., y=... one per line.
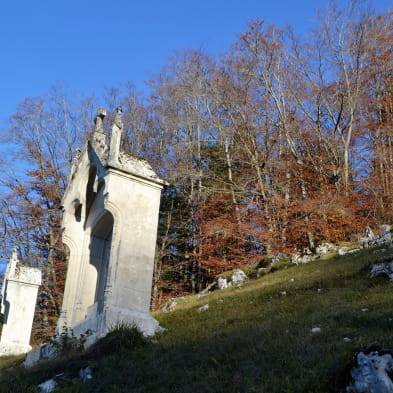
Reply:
x=100, y=249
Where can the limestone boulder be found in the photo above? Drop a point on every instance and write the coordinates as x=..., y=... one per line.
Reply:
x=223, y=283
x=238, y=277
x=371, y=372
x=383, y=269
x=169, y=306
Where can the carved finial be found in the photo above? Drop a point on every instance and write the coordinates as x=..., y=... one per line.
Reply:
x=118, y=122
x=98, y=120
x=117, y=129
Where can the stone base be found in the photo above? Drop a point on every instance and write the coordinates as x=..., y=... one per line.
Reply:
x=143, y=321
x=99, y=325
x=44, y=352
x=8, y=349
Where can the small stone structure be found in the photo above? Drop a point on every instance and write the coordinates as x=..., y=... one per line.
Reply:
x=19, y=295
x=110, y=216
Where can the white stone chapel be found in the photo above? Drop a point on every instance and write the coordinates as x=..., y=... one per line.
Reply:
x=110, y=216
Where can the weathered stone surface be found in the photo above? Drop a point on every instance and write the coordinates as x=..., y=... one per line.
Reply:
x=324, y=248
x=238, y=276
x=44, y=352
x=169, y=306
x=296, y=259
x=47, y=386
x=222, y=283
x=385, y=236
x=85, y=374
x=19, y=294
x=382, y=269
x=372, y=373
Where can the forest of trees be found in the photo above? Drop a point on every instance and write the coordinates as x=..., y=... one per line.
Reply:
x=280, y=144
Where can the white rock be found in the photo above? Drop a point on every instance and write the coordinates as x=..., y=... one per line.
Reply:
x=315, y=330
x=238, y=276
x=222, y=283
x=372, y=374
x=382, y=269
x=203, y=308
x=291, y=280
x=364, y=309
x=85, y=374
x=169, y=306
x=347, y=339
x=342, y=250
x=47, y=386
x=324, y=248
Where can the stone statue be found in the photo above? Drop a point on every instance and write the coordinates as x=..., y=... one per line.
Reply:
x=117, y=129
x=98, y=120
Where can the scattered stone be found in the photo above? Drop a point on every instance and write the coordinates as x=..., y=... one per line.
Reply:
x=283, y=293
x=238, y=276
x=85, y=374
x=297, y=258
x=347, y=339
x=277, y=257
x=315, y=330
x=47, y=386
x=169, y=306
x=222, y=283
x=201, y=295
x=342, y=250
x=383, y=269
x=364, y=309
x=324, y=248
x=372, y=372
x=203, y=308
x=385, y=237
x=291, y=280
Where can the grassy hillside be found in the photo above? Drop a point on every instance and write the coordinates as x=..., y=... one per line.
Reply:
x=256, y=338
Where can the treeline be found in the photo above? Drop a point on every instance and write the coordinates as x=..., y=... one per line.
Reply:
x=278, y=145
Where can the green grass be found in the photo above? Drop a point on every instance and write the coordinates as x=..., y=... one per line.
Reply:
x=255, y=338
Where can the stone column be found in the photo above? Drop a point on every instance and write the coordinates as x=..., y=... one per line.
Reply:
x=19, y=292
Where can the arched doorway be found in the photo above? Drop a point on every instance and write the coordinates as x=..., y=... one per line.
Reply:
x=100, y=248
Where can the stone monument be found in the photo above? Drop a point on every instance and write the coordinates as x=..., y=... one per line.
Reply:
x=19, y=295
x=110, y=216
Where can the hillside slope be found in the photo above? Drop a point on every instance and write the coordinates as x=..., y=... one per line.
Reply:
x=257, y=338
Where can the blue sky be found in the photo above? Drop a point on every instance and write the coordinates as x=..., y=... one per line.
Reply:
x=88, y=44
